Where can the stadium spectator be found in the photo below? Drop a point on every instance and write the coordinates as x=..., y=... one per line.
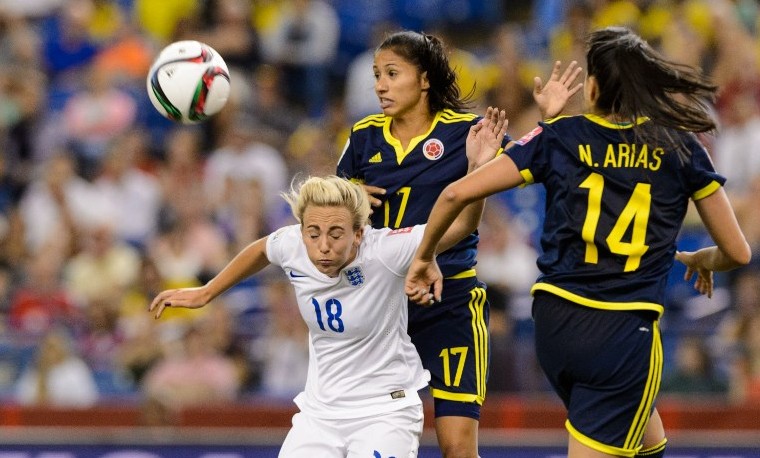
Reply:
x=242, y=160
x=303, y=45
x=507, y=264
x=694, y=370
x=267, y=107
x=41, y=301
x=284, y=348
x=191, y=373
x=58, y=377
x=180, y=172
x=162, y=20
x=359, y=88
x=58, y=204
x=67, y=44
x=745, y=370
x=94, y=116
x=134, y=195
x=190, y=248
x=507, y=78
x=11, y=230
x=104, y=269
x=225, y=25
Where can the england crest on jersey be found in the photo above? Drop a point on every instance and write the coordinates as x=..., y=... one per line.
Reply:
x=355, y=276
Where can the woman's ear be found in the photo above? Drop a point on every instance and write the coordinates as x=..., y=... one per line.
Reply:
x=591, y=87
x=424, y=81
x=358, y=235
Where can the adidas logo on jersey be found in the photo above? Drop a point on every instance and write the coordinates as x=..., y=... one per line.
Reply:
x=376, y=158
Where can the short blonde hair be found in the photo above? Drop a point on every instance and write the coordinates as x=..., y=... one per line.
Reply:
x=329, y=191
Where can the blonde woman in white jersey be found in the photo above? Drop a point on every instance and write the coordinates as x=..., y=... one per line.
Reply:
x=361, y=395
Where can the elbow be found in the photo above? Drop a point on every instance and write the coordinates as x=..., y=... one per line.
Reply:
x=452, y=196
x=738, y=256
x=743, y=257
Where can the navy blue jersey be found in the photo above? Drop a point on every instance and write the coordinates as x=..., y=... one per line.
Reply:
x=614, y=207
x=413, y=178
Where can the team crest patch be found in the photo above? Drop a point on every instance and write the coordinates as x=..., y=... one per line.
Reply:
x=529, y=136
x=355, y=276
x=433, y=149
x=401, y=230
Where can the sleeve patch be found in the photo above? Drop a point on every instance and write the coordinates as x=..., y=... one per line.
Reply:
x=529, y=136
x=401, y=230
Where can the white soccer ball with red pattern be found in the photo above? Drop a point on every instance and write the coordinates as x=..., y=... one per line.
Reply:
x=188, y=82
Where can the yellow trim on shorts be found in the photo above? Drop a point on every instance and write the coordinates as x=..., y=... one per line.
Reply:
x=459, y=397
x=469, y=273
x=476, y=305
x=638, y=427
x=598, y=446
x=480, y=331
x=580, y=300
x=654, y=449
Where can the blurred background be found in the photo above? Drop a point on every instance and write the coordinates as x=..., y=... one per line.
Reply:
x=103, y=203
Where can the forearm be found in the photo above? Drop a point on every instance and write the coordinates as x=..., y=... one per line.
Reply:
x=246, y=263
x=463, y=225
x=470, y=191
x=712, y=258
x=444, y=212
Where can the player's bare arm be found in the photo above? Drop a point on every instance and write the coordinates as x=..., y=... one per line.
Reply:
x=731, y=249
x=249, y=261
x=483, y=142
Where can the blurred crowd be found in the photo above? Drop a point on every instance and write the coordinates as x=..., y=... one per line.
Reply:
x=103, y=203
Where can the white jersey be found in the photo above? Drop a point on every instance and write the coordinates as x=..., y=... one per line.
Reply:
x=361, y=359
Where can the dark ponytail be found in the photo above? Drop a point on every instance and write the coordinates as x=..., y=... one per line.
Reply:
x=635, y=80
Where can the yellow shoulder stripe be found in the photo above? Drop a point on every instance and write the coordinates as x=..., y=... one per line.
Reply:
x=449, y=115
x=377, y=120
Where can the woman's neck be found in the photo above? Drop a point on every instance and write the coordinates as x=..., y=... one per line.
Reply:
x=405, y=128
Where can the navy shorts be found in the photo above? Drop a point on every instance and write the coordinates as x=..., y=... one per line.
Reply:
x=452, y=340
x=605, y=365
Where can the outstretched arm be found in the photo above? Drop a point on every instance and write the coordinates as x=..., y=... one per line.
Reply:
x=496, y=176
x=252, y=259
x=483, y=143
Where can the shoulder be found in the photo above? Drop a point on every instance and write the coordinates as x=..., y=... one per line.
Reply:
x=387, y=242
x=567, y=121
x=283, y=242
x=380, y=240
x=369, y=122
x=449, y=116
x=552, y=125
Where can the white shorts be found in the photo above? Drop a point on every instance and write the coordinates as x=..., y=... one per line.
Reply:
x=393, y=434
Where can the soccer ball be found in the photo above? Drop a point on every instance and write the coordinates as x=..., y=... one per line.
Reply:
x=188, y=82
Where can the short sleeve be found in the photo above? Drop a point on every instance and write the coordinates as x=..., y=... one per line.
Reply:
x=397, y=248
x=347, y=164
x=702, y=179
x=528, y=154
x=280, y=240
